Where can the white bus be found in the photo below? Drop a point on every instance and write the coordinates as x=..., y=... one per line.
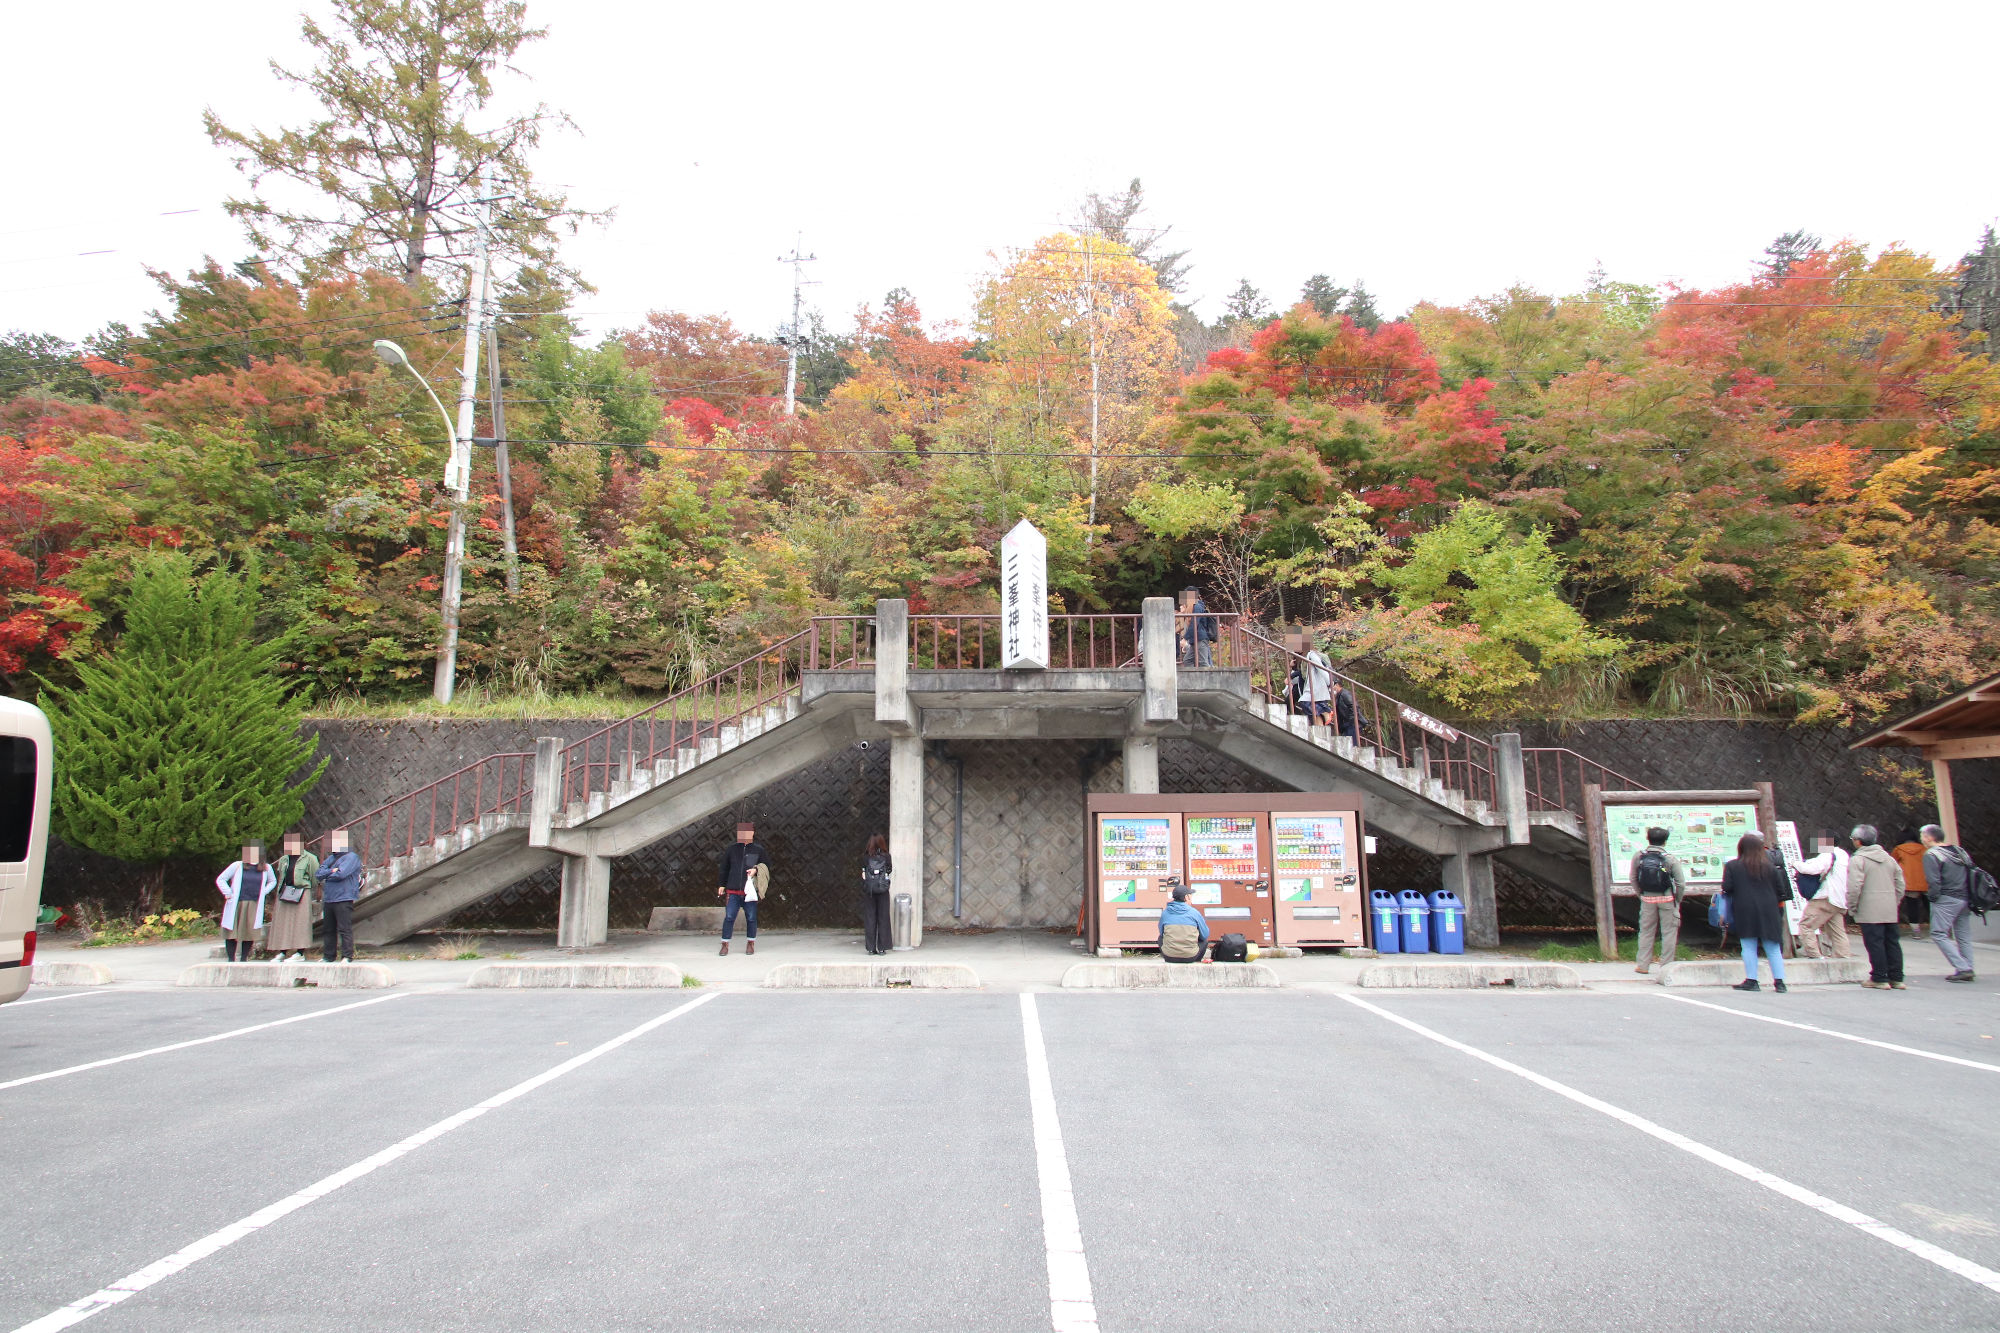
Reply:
x=27, y=771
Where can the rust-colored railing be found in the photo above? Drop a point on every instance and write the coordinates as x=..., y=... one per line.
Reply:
x=841, y=643
x=1216, y=650
x=497, y=784
x=727, y=701
x=972, y=642
x=1555, y=779
x=1463, y=762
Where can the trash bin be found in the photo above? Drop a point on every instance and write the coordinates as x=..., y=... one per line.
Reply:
x=1413, y=915
x=1447, y=922
x=1382, y=907
x=900, y=926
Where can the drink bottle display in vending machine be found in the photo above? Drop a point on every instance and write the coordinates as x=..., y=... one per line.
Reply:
x=1316, y=878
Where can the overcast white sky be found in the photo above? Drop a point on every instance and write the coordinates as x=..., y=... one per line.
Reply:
x=1439, y=151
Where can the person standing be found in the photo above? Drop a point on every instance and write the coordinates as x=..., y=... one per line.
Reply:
x=1183, y=930
x=740, y=882
x=1908, y=849
x=339, y=886
x=1319, y=685
x=243, y=884
x=1757, y=889
x=1874, y=892
x=291, y=927
x=878, y=869
x=1661, y=881
x=1823, y=881
x=1346, y=715
x=1201, y=629
x=1948, y=883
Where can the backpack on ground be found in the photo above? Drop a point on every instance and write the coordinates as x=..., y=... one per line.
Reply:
x=1181, y=941
x=875, y=874
x=1232, y=948
x=1651, y=876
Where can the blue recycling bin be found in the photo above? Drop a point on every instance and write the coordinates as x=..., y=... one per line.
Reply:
x=1413, y=915
x=1382, y=906
x=1447, y=922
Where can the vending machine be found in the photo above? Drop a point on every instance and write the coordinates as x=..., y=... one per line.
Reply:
x=1229, y=872
x=1316, y=877
x=1137, y=863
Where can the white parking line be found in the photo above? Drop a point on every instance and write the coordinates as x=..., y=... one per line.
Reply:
x=131, y=1285
x=1071, y=1307
x=50, y=999
x=198, y=1041
x=1860, y=1221
x=1830, y=1032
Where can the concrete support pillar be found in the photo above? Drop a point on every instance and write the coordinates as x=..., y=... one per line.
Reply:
x=1470, y=876
x=892, y=663
x=906, y=827
x=1161, y=662
x=546, y=800
x=1142, y=765
x=1947, y=804
x=584, y=919
x=1510, y=786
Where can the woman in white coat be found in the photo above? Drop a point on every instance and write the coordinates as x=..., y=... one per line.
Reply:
x=243, y=886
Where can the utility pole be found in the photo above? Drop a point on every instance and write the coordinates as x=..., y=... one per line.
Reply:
x=458, y=472
x=500, y=462
x=794, y=337
x=1090, y=289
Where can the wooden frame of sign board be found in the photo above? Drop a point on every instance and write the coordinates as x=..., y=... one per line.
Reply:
x=1180, y=806
x=1597, y=805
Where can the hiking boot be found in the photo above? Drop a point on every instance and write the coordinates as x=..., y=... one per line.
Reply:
x=1779, y=985
x=1959, y=976
x=750, y=946
x=725, y=949
x=1750, y=984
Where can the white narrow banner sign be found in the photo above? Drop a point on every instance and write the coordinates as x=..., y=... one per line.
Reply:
x=1024, y=598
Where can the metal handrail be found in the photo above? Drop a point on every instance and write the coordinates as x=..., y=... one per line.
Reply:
x=497, y=784
x=1463, y=762
x=1555, y=777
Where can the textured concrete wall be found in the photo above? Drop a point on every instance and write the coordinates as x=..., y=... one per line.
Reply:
x=1024, y=823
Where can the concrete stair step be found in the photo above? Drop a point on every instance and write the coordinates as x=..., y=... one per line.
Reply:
x=708, y=748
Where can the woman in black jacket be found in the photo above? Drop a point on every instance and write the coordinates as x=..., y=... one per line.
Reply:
x=877, y=871
x=1756, y=887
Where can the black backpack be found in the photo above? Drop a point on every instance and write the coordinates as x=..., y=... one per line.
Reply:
x=1982, y=893
x=1232, y=948
x=1651, y=876
x=875, y=874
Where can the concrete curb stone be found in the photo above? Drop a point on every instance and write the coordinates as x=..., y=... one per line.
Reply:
x=563, y=976
x=326, y=976
x=1798, y=972
x=1168, y=976
x=1470, y=976
x=868, y=976
x=70, y=974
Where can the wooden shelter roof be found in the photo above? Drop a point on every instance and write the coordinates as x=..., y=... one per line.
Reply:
x=1965, y=726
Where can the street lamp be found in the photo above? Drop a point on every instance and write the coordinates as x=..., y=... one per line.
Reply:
x=457, y=480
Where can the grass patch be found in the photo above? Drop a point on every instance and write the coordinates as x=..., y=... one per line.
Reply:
x=1628, y=951
x=182, y=924
x=689, y=981
x=455, y=948
x=482, y=704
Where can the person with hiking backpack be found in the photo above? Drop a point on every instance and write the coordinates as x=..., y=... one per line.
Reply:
x=1661, y=881
x=878, y=870
x=1949, y=881
x=1823, y=884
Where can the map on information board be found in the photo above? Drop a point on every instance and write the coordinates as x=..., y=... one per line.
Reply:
x=1701, y=836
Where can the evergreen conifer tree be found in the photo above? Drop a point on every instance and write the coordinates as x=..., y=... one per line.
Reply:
x=183, y=741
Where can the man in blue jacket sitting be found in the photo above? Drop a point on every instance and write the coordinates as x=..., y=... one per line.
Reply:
x=1183, y=930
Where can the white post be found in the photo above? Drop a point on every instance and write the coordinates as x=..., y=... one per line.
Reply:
x=458, y=472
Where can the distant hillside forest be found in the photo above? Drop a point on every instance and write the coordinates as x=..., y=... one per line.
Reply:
x=1775, y=497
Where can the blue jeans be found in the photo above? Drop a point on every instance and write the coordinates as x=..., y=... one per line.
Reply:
x=731, y=904
x=1773, y=952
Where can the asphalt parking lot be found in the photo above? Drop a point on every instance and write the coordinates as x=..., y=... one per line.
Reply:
x=1282, y=1160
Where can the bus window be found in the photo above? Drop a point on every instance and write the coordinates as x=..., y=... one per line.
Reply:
x=17, y=796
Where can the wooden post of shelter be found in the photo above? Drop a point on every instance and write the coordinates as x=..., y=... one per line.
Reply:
x=1600, y=869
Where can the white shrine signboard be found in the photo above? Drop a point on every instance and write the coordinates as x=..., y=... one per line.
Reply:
x=1024, y=598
